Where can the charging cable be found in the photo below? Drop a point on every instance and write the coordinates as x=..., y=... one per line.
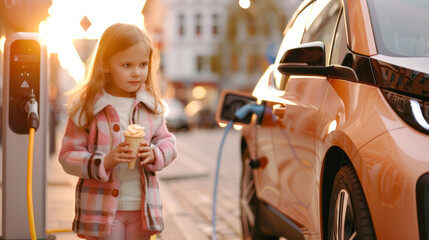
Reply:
x=31, y=107
x=240, y=114
x=227, y=128
x=30, y=185
x=33, y=124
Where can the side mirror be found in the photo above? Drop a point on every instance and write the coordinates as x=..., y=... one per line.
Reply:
x=229, y=102
x=309, y=59
x=309, y=54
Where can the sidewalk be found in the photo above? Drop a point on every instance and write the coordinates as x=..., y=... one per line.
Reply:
x=60, y=200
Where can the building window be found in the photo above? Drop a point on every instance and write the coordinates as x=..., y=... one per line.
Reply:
x=198, y=25
x=200, y=63
x=203, y=63
x=234, y=63
x=251, y=27
x=181, y=25
x=215, y=66
x=215, y=26
x=252, y=63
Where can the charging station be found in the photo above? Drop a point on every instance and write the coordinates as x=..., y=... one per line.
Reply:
x=25, y=72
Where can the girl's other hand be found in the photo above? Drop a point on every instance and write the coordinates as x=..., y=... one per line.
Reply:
x=146, y=153
x=120, y=154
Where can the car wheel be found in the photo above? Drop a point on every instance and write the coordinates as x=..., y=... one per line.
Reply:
x=249, y=204
x=349, y=216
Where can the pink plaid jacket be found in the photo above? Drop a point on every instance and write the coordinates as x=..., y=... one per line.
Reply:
x=82, y=155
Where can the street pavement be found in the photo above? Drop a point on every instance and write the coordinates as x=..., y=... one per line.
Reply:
x=186, y=189
x=195, y=192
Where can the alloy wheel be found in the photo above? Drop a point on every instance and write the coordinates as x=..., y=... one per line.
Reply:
x=344, y=225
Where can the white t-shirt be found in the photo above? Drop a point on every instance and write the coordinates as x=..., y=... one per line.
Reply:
x=130, y=189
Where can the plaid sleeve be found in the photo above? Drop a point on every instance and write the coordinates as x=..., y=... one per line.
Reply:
x=75, y=157
x=164, y=148
x=151, y=203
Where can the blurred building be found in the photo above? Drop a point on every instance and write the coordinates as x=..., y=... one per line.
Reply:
x=208, y=45
x=189, y=32
x=253, y=36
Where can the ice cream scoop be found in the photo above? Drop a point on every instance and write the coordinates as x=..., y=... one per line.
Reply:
x=134, y=130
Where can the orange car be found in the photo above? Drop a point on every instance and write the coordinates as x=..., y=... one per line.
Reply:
x=341, y=148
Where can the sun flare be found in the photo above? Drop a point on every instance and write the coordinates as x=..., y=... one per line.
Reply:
x=64, y=25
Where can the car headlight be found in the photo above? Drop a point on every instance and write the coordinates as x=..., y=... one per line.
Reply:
x=413, y=111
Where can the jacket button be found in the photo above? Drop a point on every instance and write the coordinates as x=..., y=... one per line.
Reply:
x=116, y=128
x=115, y=193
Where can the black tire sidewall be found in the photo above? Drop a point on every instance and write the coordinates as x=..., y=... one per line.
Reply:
x=255, y=231
x=347, y=179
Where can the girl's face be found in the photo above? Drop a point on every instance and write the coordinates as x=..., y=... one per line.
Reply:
x=128, y=70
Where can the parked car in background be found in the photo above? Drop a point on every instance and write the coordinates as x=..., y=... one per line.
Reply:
x=341, y=148
x=175, y=115
x=205, y=118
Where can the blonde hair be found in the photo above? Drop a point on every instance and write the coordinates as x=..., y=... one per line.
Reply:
x=115, y=39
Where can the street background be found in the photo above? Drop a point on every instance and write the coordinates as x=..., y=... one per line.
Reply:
x=205, y=46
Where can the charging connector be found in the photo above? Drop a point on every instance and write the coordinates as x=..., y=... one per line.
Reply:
x=248, y=109
x=31, y=107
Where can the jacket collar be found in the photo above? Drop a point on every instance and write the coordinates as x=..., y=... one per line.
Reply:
x=101, y=101
x=142, y=96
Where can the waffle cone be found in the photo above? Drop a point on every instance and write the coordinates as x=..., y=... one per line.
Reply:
x=134, y=144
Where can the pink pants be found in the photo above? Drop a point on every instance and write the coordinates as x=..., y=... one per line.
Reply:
x=126, y=226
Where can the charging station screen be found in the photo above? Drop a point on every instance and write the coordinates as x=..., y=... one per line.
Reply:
x=24, y=78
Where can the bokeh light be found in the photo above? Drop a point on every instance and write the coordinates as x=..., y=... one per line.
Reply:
x=193, y=107
x=245, y=4
x=199, y=92
x=63, y=26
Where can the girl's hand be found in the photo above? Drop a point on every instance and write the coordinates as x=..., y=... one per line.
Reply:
x=146, y=153
x=120, y=154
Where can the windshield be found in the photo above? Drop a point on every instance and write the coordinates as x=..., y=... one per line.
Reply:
x=401, y=27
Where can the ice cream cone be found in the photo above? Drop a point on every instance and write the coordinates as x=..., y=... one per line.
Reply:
x=134, y=135
x=134, y=145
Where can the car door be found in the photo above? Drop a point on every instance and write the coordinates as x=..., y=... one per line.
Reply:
x=295, y=134
x=267, y=175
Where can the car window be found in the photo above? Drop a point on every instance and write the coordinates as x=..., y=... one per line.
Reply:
x=400, y=27
x=292, y=39
x=339, y=48
x=321, y=23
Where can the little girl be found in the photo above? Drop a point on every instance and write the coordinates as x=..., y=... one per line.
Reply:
x=113, y=201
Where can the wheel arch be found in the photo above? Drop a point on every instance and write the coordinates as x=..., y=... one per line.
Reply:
x=334, y=160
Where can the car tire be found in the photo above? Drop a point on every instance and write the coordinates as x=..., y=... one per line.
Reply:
x=349, y=216
x=250, y=204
